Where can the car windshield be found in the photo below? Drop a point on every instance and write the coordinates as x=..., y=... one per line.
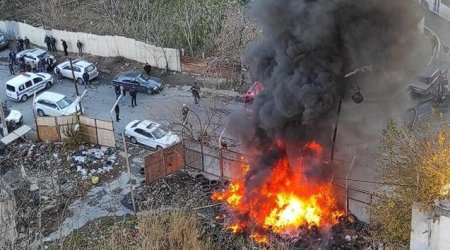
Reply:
x=144, y=77
x=43, y=55
x=135, y=124
x=63, y=103
x=159, y=133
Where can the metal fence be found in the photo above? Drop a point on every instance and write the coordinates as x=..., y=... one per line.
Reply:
x=164, y=162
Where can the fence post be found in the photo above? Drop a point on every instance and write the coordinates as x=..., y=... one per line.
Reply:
x=129, y=172
x=221, y=161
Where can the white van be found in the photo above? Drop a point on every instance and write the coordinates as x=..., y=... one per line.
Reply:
x=23, y=86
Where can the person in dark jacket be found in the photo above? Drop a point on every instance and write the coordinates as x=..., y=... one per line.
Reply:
x=21, y=43
x=116, y=109
x=133, y=94
x=58, y=75
x=196, y=92
x=53, y=43
x=147, y=69
x=12, y=56
x=28, y=67
x=26, y=41
x=64, y=45
x=47, y=42
x=86, y=79
x=23, y=66
x=80, y=47
x=49, y=63
x=39, y=66
x=11, y=68
x=118, y=91
x=18, y=48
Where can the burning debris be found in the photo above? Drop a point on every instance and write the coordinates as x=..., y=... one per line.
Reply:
x=310, y=46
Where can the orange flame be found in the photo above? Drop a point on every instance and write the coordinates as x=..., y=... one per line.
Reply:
x=259, y=238
x=283, y=202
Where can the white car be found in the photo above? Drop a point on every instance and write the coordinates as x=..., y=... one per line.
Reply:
x=79, y=67
x=54, y=104
x=34, y=55
x=150, y=134
x=25, y=85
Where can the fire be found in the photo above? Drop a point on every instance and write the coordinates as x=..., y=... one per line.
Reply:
x=280, y=203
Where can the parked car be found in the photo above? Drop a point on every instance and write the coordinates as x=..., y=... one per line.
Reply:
x=54, y=104
x=430, y=82
x=13, y=118
x=79, y=67
x=150, y=134
x=34, y=55
x=26, y=84
x=4, y=40
x=252, y=92
x=141, y=81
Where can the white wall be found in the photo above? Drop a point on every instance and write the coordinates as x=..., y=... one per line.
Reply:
x=106, y=46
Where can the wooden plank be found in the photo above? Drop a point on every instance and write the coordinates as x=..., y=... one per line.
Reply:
x=106, y=137
x=107, y=125
x=49, y=133
x=87, y=121
x=66, y=119
x=46, y=121
x=14, y=135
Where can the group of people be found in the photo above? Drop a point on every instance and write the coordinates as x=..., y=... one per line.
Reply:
x=22, y=44
x=121, y=91
x=43, y=65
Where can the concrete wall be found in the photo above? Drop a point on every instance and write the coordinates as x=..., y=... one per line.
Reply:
x=107, y=46
x=429, y=231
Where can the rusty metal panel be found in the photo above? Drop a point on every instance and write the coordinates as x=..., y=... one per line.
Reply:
x=174, y=158
x=154, y=166
x=193, y=158
x=49, y=133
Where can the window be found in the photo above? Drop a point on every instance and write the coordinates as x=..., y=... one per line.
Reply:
x=28, y=84
x=10, y=88
x=67, y=67
x=21, y=87
x=135, y=124
x=43, y=55
x=37, y=80
x=142, y=132
x=76, y=69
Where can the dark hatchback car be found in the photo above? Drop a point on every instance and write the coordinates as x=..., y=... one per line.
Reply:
x=4, y=40
x=141, y=81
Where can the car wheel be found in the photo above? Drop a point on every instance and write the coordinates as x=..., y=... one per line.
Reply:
x=40, y=113
x=158, y=148
x=24, y=98
x=149, y=91
x=48, y=85
x=80, y=81
x=133, y=140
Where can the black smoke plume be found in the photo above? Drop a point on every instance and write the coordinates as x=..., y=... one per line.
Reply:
x=310, y=45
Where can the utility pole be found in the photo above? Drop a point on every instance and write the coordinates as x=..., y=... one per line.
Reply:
x=73, y=76
x=3, y=120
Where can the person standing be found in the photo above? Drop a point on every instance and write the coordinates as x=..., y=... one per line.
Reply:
x=49, y=63
x=21, y=43
x=11, y=68
x=58, y=75
x=47, y=42
x=196, y=92
x=147, y=68
x=26, y=41
x=123, y=93
x=28, y=67
x=117, y=90
x=133, y=94
x=33, y=67
x=18, y=47
x=86, y=79
x=12, y=56
x=39, y=66
x=64, y=45
x=53, y=43
x=80, y=47
x=116, y=109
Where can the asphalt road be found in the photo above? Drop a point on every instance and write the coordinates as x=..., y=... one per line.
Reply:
x=164, y=108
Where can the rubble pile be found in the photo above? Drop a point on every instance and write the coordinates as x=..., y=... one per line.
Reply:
x=44, y=177
x=90, y=161
x=178, y=191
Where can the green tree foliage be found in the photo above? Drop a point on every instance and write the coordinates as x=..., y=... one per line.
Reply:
x=415, y=165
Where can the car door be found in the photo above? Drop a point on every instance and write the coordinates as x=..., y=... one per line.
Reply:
x=126, y=84
x=77, y=71
x=44, y=106
x=139, y=134
x=66, y=71
x=38, y=84
x=53, y=110
x=138, y=86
